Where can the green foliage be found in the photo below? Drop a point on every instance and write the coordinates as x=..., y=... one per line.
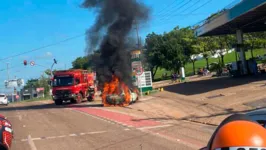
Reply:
x=154, y=53
x=170, y=50
x=48, y=72
x=228, y=58
x=216, y=67
x=87, y=62
x=42, y=82
x=82, y=63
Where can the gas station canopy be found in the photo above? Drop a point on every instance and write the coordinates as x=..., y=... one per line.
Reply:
x=247, y=15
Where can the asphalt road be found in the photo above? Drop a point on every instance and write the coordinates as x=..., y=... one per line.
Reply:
x=42, y=126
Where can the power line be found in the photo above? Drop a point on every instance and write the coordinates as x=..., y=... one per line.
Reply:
x=43, y=47
x=171, y=11
x=165, y=8
x=168, y=17
x=170, y=6
x=191, y=12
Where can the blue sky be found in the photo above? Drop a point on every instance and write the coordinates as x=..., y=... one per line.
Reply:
x=30, y=24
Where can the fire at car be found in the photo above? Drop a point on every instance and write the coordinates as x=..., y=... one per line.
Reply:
x=117, y=93
x=111, y=36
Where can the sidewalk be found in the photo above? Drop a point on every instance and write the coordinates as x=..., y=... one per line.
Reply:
x=204, y=101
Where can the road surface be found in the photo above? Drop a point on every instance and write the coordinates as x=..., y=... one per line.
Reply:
x=42, y=125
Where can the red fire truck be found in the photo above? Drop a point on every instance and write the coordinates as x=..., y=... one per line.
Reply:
x=74, y=85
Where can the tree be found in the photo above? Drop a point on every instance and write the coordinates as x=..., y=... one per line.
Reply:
x=48, y=72
x=154, y=52
x=208, y=47
x=174, y=58
x=178, y=47
x=41, y=82
x=225, y=42
x=82, y=63
x=255, y=40
x=196, y=48
x=193, y=59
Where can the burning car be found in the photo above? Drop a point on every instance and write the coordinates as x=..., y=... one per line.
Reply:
x=120, y=99
x=117, y=93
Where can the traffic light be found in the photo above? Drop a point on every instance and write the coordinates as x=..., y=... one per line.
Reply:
x=55, y=61
x=25, y=62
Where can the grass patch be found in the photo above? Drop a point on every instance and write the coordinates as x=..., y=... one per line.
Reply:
x=228, y=58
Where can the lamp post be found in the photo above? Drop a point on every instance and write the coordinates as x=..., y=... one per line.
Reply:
x=55, y=62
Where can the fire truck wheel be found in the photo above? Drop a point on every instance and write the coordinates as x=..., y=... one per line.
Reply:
x=73, y=101
x=79, y=98
x=58, y=102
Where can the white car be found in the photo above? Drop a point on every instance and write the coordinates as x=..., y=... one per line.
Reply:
x=3, y=99
x=115, y=99
x=259, y=116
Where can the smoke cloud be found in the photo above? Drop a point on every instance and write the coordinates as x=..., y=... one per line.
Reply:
x=115, y=21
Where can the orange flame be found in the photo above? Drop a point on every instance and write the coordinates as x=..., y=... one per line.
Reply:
x=118, y=88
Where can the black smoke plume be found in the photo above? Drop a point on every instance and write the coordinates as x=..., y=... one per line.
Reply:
x=116, y=19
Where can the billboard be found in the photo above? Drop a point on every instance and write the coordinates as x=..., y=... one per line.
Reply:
x=14, y=83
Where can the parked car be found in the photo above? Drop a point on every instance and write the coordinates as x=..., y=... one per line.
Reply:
x=3, y=99
x=259, y=116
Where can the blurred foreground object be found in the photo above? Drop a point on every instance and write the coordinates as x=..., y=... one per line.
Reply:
x=6, y=133
x=238, y=132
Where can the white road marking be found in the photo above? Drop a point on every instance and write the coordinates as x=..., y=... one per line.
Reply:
x=31, y=143
x=51, y=137
x=35, y=139
x=72, y=135
x=30, y=139
x=194, y=146
x=154, y=127
x=96, y=132
x=46, y=102
x=61, y=136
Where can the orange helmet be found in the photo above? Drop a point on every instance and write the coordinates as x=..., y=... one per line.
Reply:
x=238, y=132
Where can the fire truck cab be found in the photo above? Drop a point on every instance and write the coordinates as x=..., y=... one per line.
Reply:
x=74, y=85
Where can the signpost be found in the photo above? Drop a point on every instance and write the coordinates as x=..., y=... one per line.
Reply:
x=32, y=63
x=139, y=73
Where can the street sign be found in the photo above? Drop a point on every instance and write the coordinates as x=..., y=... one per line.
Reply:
x=145, y=80
x=32, y=63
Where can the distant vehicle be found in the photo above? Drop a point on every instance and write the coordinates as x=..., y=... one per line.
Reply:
x=3, y=99
x=259, y=116
x=73, y=85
